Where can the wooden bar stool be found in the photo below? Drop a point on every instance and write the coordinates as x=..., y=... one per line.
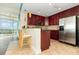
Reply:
x=24, y=40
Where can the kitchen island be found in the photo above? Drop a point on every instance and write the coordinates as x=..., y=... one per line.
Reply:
x=40, y=38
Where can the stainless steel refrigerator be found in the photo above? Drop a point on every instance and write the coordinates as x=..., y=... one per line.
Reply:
x=69, y=30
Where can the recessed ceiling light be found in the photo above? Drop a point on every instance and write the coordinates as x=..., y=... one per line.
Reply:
x=59, y=8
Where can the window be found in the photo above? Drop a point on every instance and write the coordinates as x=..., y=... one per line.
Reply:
x=7, y=26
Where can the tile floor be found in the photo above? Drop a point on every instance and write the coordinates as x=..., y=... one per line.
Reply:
x=4, y=42
x=3, y=45
x=13, y=49
x=56, y=48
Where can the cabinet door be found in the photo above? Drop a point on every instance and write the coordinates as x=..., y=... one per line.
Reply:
x=55, y=34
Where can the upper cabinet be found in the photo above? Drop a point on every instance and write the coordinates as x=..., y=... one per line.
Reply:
x=54, y=19
x=36, y=20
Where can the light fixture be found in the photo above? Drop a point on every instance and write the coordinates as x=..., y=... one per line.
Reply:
x=30, y=14
x=59, y=8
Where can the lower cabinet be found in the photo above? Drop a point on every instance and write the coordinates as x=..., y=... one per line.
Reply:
x=45, y=39
x=54, y=34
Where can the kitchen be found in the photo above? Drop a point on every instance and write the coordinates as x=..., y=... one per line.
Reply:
x=42, y=22
x=53, y=26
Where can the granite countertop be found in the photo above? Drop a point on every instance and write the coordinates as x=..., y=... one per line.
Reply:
x=45, y=27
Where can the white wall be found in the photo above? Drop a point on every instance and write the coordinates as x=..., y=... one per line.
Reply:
x=23, y=17
x=36, y=39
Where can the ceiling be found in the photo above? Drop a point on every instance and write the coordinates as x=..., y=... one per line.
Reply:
x=43, y=9
x=47, y=9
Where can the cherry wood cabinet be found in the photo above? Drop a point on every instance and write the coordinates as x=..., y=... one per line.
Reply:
x=36, y=19
x=54, y=34
x=45, y=39
x=54, y=20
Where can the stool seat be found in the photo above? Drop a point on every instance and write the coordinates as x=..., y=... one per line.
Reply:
x=25, y=36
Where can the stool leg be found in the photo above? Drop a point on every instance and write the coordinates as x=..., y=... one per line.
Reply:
x=20, y=40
